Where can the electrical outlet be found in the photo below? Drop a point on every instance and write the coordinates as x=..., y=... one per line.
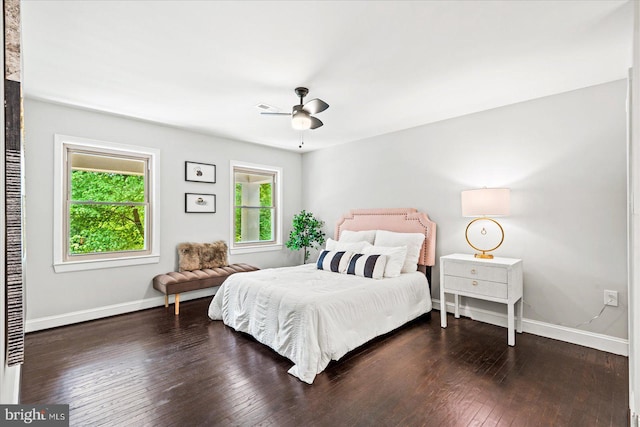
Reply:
x=611, y=298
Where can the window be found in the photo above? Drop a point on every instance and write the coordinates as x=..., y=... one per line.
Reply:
x=255, y=212
x=105, y=197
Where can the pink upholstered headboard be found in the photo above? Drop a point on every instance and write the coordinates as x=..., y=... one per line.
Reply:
x=401, y=220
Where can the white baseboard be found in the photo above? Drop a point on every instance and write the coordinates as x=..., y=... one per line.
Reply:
x=32, y=325
x=562, y=333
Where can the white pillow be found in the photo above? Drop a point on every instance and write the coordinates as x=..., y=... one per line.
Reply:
x=413, y=242
x=395, y=258
x=371, y=266
x=348, y=236
x=333, y=245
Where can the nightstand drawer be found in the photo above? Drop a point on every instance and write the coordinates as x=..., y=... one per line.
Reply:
x=476, y=286
x=473, y=271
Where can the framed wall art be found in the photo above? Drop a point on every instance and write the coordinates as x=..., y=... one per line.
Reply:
x=199, y=203
x=199, y=172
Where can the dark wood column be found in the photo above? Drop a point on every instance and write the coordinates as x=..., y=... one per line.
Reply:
x=14, y=293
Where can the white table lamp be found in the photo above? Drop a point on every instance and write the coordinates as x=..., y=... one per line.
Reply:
x=484, y=203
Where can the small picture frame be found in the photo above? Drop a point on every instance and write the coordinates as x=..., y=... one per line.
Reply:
x=199, y=172
x=199, y=203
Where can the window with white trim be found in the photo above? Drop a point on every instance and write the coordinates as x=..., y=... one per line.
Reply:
x=105, y=197
x=256, y=214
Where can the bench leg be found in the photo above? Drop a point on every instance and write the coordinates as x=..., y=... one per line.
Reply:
x=166, y=300
x=177, y=304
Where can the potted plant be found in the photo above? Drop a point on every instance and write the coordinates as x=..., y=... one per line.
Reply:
x=306, y=233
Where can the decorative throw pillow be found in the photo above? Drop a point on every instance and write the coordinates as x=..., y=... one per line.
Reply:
x=335, y=261
x=188, y=256
x=195, y=256
x=214, y=254
x=413, y=242
x=395, y=258
x=333, y=245
x=348, y=236
x=371, y=266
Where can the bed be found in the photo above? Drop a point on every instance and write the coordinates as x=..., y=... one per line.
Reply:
x=312, y=315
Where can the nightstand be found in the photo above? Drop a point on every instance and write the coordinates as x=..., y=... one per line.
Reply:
x=497, y=280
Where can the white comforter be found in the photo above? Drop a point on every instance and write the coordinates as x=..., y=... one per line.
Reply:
x=313, y=316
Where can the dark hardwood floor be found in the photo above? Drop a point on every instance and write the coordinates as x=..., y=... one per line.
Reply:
x=153, y=368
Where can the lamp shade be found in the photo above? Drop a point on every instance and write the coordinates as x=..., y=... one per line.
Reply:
x=301, y=120
x=486, y=202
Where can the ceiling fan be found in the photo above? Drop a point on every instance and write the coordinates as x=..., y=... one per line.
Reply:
x=301, y=115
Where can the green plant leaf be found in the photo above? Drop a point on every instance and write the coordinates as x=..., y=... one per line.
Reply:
x=306, y=233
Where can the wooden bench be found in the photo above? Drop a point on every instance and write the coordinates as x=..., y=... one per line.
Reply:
x=175, y=283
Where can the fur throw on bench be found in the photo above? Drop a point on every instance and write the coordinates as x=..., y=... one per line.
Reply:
x=197, y=256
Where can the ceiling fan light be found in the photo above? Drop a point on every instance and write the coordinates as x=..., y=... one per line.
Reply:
x=301, y=120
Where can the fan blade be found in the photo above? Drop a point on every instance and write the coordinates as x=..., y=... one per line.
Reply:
x=315, y=123
x=275, y=114
x=315, y=106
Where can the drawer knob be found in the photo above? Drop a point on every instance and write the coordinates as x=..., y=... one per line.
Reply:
x=474, y=283
x=473, y=271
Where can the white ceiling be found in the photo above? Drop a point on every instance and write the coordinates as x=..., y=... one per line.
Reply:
x=383, y=66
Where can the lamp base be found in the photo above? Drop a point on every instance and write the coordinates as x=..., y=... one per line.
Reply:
x=484, y=250
x=483, y=256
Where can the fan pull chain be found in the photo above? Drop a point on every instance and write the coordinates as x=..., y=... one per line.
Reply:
x=301, y=140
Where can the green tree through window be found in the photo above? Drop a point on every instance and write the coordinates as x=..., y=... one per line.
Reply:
x=266, y=232
x=106, y=212
x=238, y=215
x=106, y=204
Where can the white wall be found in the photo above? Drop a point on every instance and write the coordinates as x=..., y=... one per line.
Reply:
x=53, y=299
x=563, y=157
x=634, y=225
